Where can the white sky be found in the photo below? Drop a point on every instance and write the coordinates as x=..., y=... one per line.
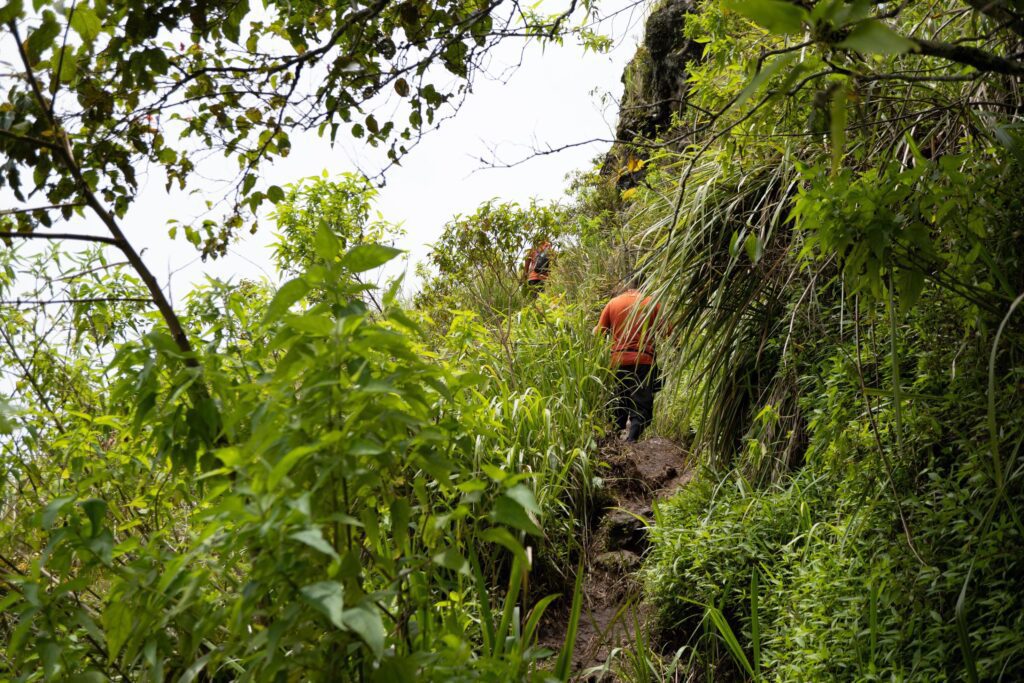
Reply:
x=554, y=98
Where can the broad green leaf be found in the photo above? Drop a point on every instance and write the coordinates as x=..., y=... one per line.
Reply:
x=54, y=508
x=910, y=282
x=400, y=512
x=874, y=37
x=275, y=193
x=42, y=38
x=85, y=23
x=95, y=509
x=6, y=424
x=327, y=597
x=326, y=243
x=49, y=652
x=90, y=676
x=10, y=11
x=286, y=463
x=509, y=512
x=524, y=496
x=314, y=538
x=288, y=294
x=67, y=61
x=367, y=257
x=365, y=622
x=837, y=126
x=452, y=559
x=102, y=545
x=753, y=247
x=778, y=16
x=118, y=623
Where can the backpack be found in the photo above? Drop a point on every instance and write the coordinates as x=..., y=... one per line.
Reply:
x=542, y=263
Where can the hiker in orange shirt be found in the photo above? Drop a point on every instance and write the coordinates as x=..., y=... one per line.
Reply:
x=538, y=265
x=632, y=322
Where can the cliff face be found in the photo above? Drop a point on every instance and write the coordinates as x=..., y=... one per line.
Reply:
x=655, y=89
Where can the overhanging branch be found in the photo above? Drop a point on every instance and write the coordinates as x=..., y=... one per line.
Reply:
x=970, y=56
x=60, y=236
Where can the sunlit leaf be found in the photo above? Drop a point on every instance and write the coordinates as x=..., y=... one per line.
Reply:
x=327, y=598
x=365, y=257
x=778, y=16
x=874, y=37
x=85, y=22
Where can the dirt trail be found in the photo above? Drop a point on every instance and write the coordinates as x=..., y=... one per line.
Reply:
x=639, y=473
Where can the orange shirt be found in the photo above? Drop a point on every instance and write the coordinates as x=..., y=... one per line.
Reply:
x=531, y=261
x=632, y=333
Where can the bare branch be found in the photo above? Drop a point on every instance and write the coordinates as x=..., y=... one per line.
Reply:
x=970, y=56
x=60, y=236
x=51, y=207
x=66, y=155
x=85, y=300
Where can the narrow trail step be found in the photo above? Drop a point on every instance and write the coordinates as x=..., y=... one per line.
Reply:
x=638, y=474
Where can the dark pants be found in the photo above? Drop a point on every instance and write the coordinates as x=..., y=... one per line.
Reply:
x=635, y=386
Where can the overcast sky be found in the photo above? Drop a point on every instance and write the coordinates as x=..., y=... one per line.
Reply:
x=558, y=95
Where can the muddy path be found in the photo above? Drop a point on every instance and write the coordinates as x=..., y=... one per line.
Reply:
x=638, y=475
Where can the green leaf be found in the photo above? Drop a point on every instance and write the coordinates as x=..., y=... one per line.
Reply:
x=326, y=243
x=275, y=193
x=315, y=325
x=285, y=464
x=837, y=126
x=42, y=38
x=366, y=623
x=117, y=625
x=54, y=508
x=778, y=16
x=314, y=538
x=102, y=545
x=874, y=37
x=326, y=597
x=90, y=676
x=766, y=72
x=524, y=496
x=504, y=538
x=6, y=424
x=95, y=509
x=12, y=10
x=67, y=61
x=452, y=559
x=85, y=23
x=49, y=652
x=910, y=283
x=509, y=512
x=729, y=637
x=753, y=247
x=367, y=257
x=288, y=294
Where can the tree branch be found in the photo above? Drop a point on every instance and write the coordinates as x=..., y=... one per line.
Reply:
x=970, y=56
x=60, y=236
x=84, y=300
x=66, y=155
x=51, y=207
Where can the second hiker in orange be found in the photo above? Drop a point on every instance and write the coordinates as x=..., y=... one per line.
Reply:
x=632, y=321
x=538, y=264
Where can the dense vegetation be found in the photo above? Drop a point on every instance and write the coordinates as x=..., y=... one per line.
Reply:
x=315, y=478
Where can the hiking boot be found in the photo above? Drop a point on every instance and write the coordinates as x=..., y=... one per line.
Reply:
x=635, y=428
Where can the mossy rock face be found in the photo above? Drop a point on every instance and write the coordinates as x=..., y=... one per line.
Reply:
x=655, y=88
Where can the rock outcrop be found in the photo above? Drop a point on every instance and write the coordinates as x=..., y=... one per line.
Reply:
x=655, y=89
